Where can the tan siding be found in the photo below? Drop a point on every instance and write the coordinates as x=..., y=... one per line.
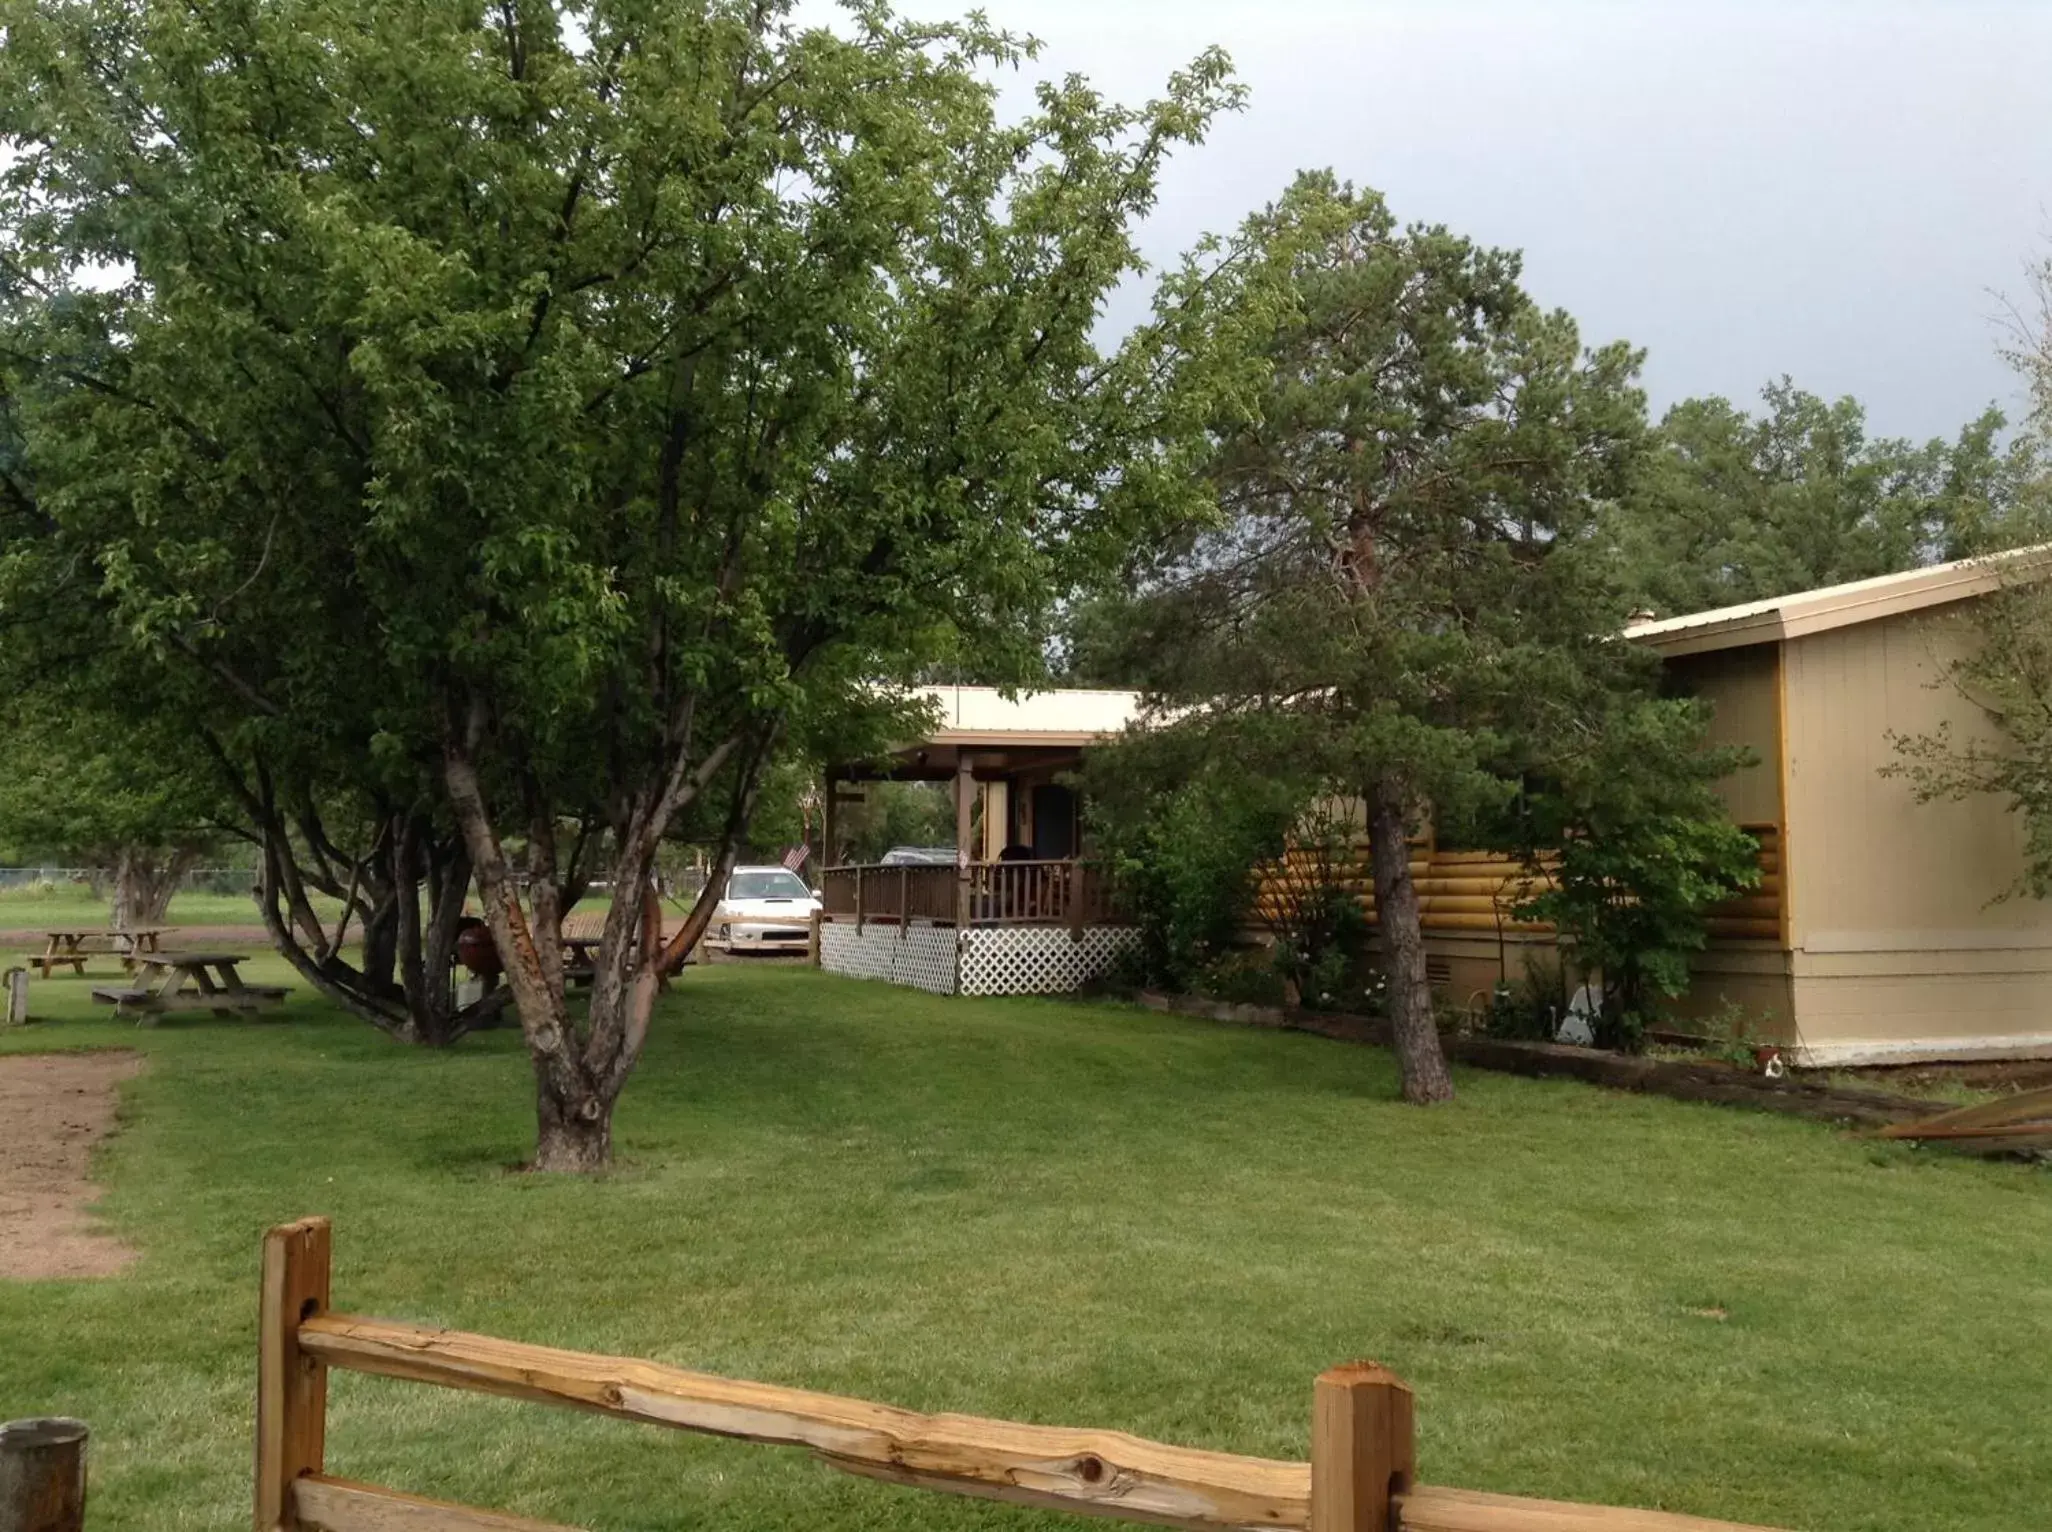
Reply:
x=1903, y=941
x=1457, y=890
x=1470, y=967
x=1752, y=976
x=1868, y=858
x=1739, y=685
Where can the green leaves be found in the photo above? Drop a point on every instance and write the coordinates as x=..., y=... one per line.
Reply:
x=1624, y=823
x=541, y=414
x=634, y=319
x=1401, y=545
x=1735, y=507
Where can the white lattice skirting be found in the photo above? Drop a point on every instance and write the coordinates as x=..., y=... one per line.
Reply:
x=923, y=956
x=996, y=960
x=1039, y=960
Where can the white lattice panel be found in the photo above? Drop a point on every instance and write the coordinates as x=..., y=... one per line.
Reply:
x=923, y=957
x=1039, y=960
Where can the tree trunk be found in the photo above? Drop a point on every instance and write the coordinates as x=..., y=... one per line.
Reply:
x=379, y=943
x=402, y=981
x=571, y=1135
x=1412, y=1028
x=143, y=885
x=579, y=1071
x=573, y=1095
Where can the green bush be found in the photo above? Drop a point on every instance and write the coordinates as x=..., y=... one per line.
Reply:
x=1321, y=929
x=1529, y=1008
x=1245, y=977
x=1632, y=848
x=1184, y=861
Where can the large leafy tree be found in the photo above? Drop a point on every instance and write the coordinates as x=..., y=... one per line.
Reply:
x=1734, y=507
x=130, y=727
x=535, y=417
x=127, y=806
x=1401, y=572
x=75, y=781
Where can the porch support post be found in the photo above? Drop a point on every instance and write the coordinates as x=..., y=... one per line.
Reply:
x=997, y=818
x=965, y=801
x=830, y=822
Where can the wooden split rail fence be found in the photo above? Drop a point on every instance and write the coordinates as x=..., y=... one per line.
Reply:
x=1360, y=1477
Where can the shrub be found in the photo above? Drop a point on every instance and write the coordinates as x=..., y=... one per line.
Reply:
x=1321, y=930
x=1183, y=860
x=1632, y=847
x=1529, y=1008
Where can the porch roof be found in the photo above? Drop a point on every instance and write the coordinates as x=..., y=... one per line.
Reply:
x=1002, y=734
x=1072, y=716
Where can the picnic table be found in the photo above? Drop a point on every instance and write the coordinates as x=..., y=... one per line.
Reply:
x=215, y=985
x=579, y=964
x=74, y=947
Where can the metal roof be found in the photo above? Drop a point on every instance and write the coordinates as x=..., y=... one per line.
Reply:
x=982, y=715
x=1839, y=606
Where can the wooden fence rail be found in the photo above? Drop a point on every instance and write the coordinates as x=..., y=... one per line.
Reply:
x=1360, y=1477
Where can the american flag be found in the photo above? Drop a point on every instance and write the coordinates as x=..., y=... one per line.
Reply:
x=795, y=857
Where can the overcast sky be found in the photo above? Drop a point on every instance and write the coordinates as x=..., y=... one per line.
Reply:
x=1744, y=188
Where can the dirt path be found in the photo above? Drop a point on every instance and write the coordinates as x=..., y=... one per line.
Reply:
x=53, y=1108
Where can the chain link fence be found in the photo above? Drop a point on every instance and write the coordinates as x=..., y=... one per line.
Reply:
x=201, y=880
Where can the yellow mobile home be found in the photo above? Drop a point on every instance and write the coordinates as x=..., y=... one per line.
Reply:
x=1882, y=933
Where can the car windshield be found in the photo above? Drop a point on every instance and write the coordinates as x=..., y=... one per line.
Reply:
x=774, y=884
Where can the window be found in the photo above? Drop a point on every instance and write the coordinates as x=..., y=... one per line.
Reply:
x=773, y=883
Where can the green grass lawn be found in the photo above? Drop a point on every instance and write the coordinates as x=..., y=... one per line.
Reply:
x=43, y=907
x=1076, y=1214
x=72, y=904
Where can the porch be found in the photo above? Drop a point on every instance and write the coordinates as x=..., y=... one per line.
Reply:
x=1069, y=894
x=1020, y=909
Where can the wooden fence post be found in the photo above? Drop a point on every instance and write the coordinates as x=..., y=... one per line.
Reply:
x=43, y=1475
x=292, y=1388
x=1363, y=1452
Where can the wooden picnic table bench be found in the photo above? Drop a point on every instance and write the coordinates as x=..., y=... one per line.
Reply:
x=74, y=947
x=580, y=966
x=216, y=986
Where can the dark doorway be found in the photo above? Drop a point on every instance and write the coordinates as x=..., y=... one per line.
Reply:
x=1054, y=823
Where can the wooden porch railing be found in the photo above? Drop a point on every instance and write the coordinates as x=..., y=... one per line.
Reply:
x=1361, y=1477
x=1051, y=893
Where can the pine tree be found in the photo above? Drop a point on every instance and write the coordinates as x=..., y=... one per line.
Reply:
x=1402, y=574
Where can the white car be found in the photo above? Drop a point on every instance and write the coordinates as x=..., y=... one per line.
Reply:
x=764, y=909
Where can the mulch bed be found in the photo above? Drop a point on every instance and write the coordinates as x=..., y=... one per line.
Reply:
x=1682, y=1080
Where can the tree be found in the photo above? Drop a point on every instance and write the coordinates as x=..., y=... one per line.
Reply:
x=145, y=713
x=2006, y=668
x=1733, y=507
x=1628, y=845
x=2006, y=672
x=533, y=419
x=120, y=805
x=74, y=782
x=1403, y=567
x=1183, y=831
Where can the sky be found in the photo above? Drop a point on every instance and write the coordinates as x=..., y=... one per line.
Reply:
x=1838, y=190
